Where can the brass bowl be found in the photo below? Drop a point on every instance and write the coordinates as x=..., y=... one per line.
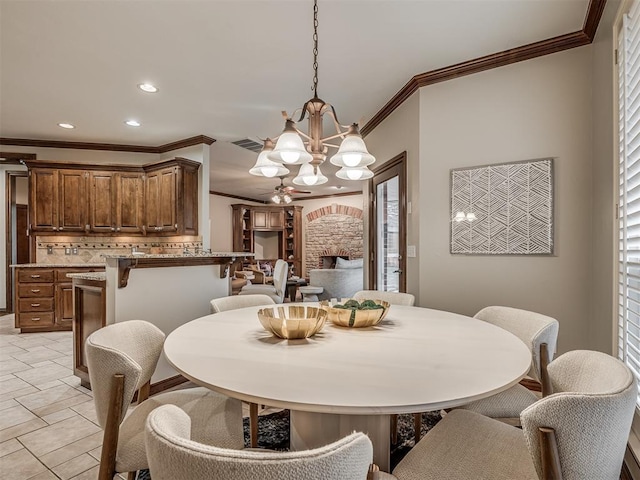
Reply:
x=347, y=317
x=292, y=322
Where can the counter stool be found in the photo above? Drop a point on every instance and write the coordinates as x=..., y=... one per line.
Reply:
x=310, y=293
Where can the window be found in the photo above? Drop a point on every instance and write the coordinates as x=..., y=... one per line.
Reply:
x=629, y=201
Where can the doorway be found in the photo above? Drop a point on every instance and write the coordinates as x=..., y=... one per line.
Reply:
x=18, y=245
x=388, y=229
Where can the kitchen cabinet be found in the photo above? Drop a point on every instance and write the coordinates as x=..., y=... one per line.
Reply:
x=44, y=298
x=171, y=197
x=287, y=221
x=157, y=199
x=116, y=202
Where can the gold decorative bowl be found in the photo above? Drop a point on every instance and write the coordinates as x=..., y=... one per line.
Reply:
x=348, y=317
x=293, y=321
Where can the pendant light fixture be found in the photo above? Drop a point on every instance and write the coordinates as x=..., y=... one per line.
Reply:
x=309, y=150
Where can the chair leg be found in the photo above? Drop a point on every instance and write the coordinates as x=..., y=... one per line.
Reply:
x=112, y=428
x=131, y=475
x=253, y=424
x=394, y=428
x=417, y=427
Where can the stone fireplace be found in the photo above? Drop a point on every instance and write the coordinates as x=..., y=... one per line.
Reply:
x=328, y=257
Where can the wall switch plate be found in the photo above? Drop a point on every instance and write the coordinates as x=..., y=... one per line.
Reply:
x=49, y=249
x=67, y=251
x=408, y=207
x=411, y=251
x=74, y=251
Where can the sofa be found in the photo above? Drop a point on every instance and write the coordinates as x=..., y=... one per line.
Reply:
x=340, y=282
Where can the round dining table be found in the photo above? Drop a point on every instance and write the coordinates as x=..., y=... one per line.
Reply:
x=346, y=379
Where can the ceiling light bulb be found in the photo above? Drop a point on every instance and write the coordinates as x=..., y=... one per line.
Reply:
x=351, y=159
x=290, y=157
x=66, y=125
x=460, y=216
x=147, y=87
x=310, y=179
x=269, y=171
x=354, y=174
x=133, y=123
x=275, y=199
x=287, y=199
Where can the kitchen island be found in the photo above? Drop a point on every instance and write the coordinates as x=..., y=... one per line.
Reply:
x=166, y=290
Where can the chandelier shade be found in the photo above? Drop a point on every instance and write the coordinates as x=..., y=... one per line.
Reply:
x=265, y=167
x=310, y=175
x=358, y=173
x=309, y=150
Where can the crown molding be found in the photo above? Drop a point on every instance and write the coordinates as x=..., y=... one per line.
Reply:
x=238, y=197
x=112, y=147
x=494, y=60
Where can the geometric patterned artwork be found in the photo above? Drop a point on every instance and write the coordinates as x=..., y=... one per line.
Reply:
x=503, y=209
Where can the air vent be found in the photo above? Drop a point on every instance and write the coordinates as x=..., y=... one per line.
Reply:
x=249, y=144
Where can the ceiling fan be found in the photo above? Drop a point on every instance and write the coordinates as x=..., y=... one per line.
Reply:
x=282, y=193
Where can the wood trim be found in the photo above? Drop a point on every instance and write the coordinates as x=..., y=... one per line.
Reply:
x=15, y=158
x=124, y=265
x=332, y=195
x=112, y=147
x=121, y=168
x=9, y=287
x=237, y=197
x=187, y=142
x=495, y=60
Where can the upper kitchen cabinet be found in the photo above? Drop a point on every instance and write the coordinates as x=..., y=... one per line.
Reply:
x=268, y=219
x=171, y=197
x=116, y=202
x=156, y=199
x=58, y=200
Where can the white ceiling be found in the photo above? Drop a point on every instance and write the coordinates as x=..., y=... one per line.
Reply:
x=226, y=69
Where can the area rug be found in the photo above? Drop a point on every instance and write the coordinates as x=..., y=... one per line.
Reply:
x=273, y=433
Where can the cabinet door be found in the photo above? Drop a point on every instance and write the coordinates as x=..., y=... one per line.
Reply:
x=101, y=202
x=129, y=203
x=72, y=213
x=276, y=220
x=260, y=219
x=151, y=200
x=188, y=198
x=44, y=200
x=167, y=211
x=64, y=304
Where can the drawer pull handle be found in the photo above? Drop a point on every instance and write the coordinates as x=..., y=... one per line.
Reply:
x=35, y=276
x=35, y=290
x=35, y=304
x=35, y=319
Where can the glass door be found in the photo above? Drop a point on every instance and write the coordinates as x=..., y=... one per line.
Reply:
x=388, y=235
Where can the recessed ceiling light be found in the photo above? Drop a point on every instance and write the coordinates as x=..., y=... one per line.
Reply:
x=66, y=125
x=133, y=123
x=147, y=87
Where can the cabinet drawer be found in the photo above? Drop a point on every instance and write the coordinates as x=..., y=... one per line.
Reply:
x=61, y=273
x=35, y=319
x=36, y=305
x=35, y=290
x=35, y=276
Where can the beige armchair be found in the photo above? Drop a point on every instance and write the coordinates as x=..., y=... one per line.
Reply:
x=259, y=275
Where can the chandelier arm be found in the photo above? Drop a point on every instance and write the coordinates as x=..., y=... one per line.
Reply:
x=331, y=137
x=331, y=145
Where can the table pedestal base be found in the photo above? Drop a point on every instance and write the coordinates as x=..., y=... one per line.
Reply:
x=313, y=430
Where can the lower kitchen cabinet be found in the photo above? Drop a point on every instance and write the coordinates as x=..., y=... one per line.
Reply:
x=44, y=297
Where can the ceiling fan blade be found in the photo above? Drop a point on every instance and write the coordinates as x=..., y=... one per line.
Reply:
x=295, y=190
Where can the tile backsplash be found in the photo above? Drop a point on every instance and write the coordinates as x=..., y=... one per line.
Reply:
x=91, y=249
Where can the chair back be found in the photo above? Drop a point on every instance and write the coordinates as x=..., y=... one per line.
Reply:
x=280, y=272
x=129, y=348
x=590, y=414
x=239, y=301
x=530, y=327
x=393, y=298
x=173, y=455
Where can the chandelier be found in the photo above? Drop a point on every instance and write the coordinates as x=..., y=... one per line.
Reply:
x=309, y=150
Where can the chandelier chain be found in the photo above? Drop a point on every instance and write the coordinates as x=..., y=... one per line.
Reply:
x=315, y=48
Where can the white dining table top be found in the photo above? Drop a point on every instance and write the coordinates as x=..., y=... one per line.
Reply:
x=416, y=360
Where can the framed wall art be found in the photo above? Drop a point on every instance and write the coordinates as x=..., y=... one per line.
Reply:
x=503, y=209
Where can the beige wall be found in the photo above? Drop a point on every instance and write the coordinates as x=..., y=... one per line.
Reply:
x=398, y=133
x=220, y=219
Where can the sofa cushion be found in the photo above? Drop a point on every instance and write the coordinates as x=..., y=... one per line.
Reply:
x=342, y=263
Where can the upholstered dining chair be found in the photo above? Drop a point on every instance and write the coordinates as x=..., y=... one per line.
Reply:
x=174, y=456
x=580, y=432
x=121, y=359
x=540, y=333
x=278, y=290
x=394, y=298
x=232, y=303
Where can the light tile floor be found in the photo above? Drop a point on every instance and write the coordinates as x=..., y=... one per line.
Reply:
x=48, y=425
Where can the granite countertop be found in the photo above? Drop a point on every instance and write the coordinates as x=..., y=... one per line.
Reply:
x=188, y=255
x=98, y=276
x=58, y=265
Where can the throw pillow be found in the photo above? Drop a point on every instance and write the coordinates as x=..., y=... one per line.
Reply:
x=342, y=263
